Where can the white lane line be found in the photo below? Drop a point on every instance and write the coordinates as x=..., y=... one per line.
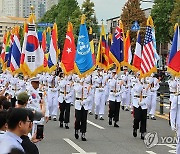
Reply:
x=75, y=146
x=151, y=152
x=91, y=123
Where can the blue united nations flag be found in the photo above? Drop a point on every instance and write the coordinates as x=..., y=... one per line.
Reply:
x=83, y=61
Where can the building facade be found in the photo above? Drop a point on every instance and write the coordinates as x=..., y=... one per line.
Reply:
x=7, y=22
x=22, y=8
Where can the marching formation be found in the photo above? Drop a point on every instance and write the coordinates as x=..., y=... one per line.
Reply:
x=49, y=93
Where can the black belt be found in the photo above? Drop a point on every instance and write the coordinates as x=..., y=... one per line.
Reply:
x=114, y=91
x=172, y=92
x=139, y=96
x=136, y=96
x=63, y=92
x=80, y=99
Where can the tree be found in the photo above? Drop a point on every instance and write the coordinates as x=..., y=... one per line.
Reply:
x=131, y=13
x=61, y=13
x=175, y=16
x=91, y=20
x=161, y=15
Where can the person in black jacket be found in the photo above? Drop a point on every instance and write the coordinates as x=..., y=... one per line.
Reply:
x=27, y=144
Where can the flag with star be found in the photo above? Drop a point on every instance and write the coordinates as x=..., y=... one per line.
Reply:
x=148, y=65
x=69, y=51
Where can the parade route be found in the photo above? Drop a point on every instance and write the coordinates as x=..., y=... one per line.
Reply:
x=104, y=139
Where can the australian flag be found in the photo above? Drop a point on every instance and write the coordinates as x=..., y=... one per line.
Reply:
x=116, y=50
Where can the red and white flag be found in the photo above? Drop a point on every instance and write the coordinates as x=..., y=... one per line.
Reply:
x=148, y=57
x=136, y=66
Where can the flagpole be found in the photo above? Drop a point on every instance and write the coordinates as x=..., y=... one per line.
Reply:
x=100, y=41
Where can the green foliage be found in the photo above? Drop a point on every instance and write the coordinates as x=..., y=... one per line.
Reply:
x=175, y=16
x=161, y=15
x=64, y=11
x=91, y=20
x=131, y=13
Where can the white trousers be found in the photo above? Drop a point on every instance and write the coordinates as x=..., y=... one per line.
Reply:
x=52, y=98
x=99, y=102
x=126, y=98
x=152, y=103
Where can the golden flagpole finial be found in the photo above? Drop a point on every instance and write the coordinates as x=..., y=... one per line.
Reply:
x=90, y=30
x=83, y=19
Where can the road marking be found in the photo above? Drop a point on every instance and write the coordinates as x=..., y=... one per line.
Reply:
x=173, y=146
x=75, y=146
x=91, y=123
x=165, y=116
x=151, y=152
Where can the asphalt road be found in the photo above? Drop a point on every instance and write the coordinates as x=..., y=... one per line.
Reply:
x=105, y=139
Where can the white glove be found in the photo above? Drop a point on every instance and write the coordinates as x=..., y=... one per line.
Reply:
x=141, y=103
x=173, y=127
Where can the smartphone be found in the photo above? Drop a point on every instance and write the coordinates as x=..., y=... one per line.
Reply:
x=40, y=130
x=40, y=94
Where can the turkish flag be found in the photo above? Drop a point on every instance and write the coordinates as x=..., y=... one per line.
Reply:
x=69, y=51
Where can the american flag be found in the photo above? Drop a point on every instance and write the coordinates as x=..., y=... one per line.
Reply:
x=148, y=59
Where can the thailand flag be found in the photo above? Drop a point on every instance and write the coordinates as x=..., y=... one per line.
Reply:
x=137, y=55
x=174, y=62
x=15, y=54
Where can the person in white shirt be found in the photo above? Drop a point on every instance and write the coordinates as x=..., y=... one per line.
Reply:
x=18, y=124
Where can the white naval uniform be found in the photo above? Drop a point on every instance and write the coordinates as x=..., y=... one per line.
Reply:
x=152, y=95
x=126, y=91
x=175, y=116
x=52, y=96
x=99, y=96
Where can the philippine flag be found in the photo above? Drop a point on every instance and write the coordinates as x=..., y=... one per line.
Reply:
x=137, y=55
x=174, y=62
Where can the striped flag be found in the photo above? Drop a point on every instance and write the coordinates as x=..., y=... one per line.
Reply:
x=53, y=50
x=136, y=66
x=148, y=57
x=173, y=62
x=3, y=52
x=44, y=49
x=16, y=53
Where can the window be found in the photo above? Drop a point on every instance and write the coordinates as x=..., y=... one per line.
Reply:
x=114, y=23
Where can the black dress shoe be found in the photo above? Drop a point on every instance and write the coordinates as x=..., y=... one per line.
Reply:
x=61, y=124
x=116, y=125
x=83, y=138
x=96, y=116
x=54, y=119
x=90, y=113
x=142, y=136
x=50, y=118
x=153, y=118
x=122, y=107
x=126, y=109
x=76, y=134
x=101, y=118
x=110, y=121
x=135, y=132
x=147, y=117
x=66, y=126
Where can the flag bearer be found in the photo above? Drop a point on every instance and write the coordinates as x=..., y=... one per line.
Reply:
x=81, y=107
x=99, y=95
x=140, y=107
x=114, y=99
x=152, y=96
x=175, y=115
x=65, y=99
x=52, y=96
